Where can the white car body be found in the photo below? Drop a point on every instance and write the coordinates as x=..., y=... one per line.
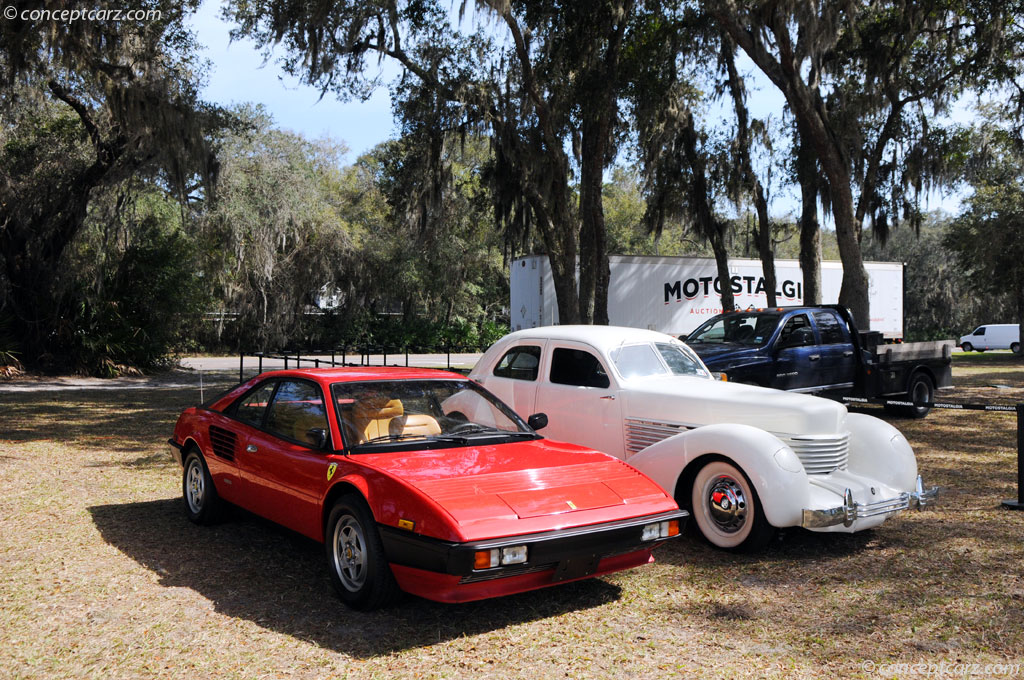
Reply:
x=992, y=336
x=808, y=461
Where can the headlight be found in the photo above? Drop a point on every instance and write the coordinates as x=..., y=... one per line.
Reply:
x=500, y=557
x=659, y=530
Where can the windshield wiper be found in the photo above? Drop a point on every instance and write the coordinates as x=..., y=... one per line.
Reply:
x=392, y=438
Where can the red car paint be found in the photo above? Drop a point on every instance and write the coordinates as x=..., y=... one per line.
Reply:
x=451, y=494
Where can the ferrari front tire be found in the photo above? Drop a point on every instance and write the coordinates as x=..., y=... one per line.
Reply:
x=201, y=501
x=726, y=509
x=355, y=556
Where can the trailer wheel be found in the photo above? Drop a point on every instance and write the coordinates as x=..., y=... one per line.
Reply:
x=920, y=388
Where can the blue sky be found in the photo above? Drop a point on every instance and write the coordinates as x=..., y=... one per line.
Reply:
x=237, y=75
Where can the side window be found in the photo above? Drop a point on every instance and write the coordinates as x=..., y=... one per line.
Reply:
x=980, y=331
x=797, y=332
x=577, y=367
x=298, y=407
x=251, y=408
x=832, y=332
x=519, y=363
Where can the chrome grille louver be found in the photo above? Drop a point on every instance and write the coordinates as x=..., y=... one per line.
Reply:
x=820, y=453
x=643, y=433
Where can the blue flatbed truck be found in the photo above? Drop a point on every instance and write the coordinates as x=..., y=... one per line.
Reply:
x=819, y=350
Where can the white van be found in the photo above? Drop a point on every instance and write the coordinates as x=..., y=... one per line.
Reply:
x=992, y=336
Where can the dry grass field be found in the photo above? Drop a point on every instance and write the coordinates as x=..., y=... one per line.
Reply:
x=101, y=575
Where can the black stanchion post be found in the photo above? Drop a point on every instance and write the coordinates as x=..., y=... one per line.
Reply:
x=241, y=363
x=261, y=362
x=1019, y=503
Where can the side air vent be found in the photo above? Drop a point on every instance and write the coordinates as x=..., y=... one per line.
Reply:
x=223, y=442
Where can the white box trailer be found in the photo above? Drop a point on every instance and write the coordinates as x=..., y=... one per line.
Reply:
x=676, y=294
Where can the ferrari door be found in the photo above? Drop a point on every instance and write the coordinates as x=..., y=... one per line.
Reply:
x=284, y=465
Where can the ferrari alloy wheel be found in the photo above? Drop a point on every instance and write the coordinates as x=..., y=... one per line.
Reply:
x=726, y=509
x=355, y=555
x=198, y=491
x=350, y=553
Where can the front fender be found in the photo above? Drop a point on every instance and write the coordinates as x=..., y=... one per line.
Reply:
x=880, y=451
x=770, y=465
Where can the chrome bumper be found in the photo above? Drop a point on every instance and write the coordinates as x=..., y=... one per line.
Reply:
x=849, y=512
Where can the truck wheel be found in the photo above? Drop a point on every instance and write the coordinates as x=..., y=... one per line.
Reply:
x=967, y=347
x=920, y=388
x=726, y=509
x=1015, y=348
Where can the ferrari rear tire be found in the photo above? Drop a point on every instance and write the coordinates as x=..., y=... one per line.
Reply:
x=726, y=509
x=202, y=505
x=356, y=561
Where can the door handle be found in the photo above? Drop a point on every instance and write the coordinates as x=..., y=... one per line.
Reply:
x=814, y=357
x=610, y=397
x=251, y=448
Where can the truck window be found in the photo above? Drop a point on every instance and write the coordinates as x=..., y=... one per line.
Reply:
x=795, y=322
x=577, y=367
x=980, y=331
x=519, y=363
x=832, y=332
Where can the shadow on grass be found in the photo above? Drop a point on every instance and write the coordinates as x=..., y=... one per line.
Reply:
x=254, y=570
x=122, y=421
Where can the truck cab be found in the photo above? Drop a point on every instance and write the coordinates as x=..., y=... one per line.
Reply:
x=819, y=349
x=800, y=349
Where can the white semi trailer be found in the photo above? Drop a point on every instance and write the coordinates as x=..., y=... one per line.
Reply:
x=677, y=294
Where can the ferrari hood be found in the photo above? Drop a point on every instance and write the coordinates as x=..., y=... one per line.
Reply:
x=526, y=487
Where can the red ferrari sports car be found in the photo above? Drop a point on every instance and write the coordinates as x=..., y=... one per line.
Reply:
x=417, y=480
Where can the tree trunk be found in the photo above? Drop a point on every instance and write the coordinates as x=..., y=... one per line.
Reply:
x=854, y=291
x=764, y=229
x=811, y=115
x=724, y=278
x=764, y=244
x=594, y=269
x=708, y=225
x=810, y=231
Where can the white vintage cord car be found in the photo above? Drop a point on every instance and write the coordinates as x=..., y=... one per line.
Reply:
x=744, y=460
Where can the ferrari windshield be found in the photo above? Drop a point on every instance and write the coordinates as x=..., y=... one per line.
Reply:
x=658, y=358
x=737, y=328
x=425, y=412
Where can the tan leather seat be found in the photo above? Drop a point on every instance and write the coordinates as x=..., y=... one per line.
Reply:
x=372, y=418
x=418, y=424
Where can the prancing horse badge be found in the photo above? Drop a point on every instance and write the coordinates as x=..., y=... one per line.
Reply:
x=330, y=470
